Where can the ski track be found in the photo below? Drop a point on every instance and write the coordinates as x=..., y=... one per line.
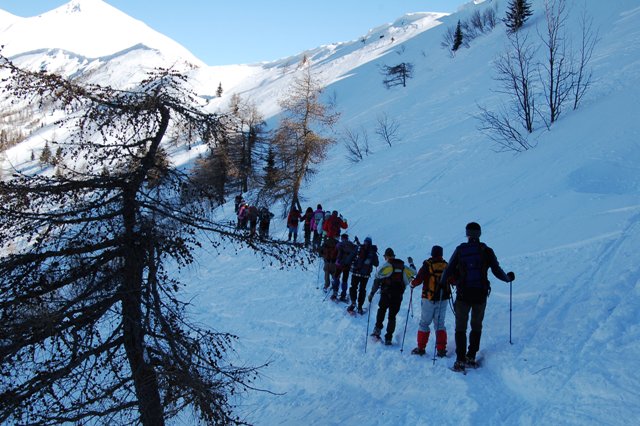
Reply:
x=564, y=216
x=518, y=384
x=556, y=339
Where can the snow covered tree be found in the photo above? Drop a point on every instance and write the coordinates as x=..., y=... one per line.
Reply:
x=518, y=11
x=219, y=90
x=92, y=330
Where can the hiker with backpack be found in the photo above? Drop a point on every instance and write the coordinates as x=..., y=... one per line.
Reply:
x=265, y=220
x=346, y=253
x=365, y=259
x=252, y=217
x=435, y=300
x=306, y=225
x=316, y=226
x=329, y=253
x=392, y=279
x=468, y=266
x=243, y=213
x=334, y=224
x=293, y=219
x=237, y=202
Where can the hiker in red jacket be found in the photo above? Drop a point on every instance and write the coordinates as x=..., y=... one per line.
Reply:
x=292, y=223
x=334, y=224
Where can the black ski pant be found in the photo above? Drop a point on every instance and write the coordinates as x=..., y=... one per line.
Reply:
x=329, y=272
x=263, y=228
x=388, y=301
x=341, y=278
x=462, y=310
x=307, y=236
x=358, y=289
x=317, y=239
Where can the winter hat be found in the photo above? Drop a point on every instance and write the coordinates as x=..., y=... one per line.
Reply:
x=473, y=230
x=367, y=240
x=436, y=251
x=389, y=252
x=319, y=207
x=344, y=236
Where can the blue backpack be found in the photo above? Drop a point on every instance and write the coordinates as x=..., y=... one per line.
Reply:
x=472, y=268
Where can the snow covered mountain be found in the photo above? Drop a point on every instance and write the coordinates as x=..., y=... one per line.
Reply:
x=89, y=28
x=565, y=216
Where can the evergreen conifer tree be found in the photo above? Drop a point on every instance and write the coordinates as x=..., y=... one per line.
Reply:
x=45, y=155
x=458, y=38
x=518, y=11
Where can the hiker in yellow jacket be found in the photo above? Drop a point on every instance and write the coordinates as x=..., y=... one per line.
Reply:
x=392, y=278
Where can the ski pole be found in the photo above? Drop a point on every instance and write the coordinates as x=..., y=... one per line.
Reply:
x=437, y=325
x=407, y=321
x=366, y=336
x=510, y=310
x=326, y=295
x=318, y=276
x=411, y=306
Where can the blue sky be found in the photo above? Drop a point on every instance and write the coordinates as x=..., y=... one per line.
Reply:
x=248, y=31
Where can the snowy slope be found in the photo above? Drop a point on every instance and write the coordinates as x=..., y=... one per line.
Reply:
x=267, y=83
x=564, y=216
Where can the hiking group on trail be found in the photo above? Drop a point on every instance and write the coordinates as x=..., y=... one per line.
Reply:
x=466, y=271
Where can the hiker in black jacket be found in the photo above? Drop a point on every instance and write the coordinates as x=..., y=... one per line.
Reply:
x=468, y=268
x=363, y=263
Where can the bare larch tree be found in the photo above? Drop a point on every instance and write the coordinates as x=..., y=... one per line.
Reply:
x=92, y=329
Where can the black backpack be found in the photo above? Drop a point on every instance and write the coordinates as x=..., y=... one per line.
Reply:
x=472, y=268
x=367, y=259
x=347, y=253
x=395, y=281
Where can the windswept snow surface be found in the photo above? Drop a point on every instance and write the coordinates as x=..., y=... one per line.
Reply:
x=564, y=216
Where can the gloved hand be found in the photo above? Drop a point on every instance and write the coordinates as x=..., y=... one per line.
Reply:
x=511, y=276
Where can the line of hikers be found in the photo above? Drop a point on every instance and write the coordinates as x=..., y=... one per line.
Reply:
x=251, y=216
x=467, y=271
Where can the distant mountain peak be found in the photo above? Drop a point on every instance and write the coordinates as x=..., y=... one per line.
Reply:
x=91, y=28
x=75, y=7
